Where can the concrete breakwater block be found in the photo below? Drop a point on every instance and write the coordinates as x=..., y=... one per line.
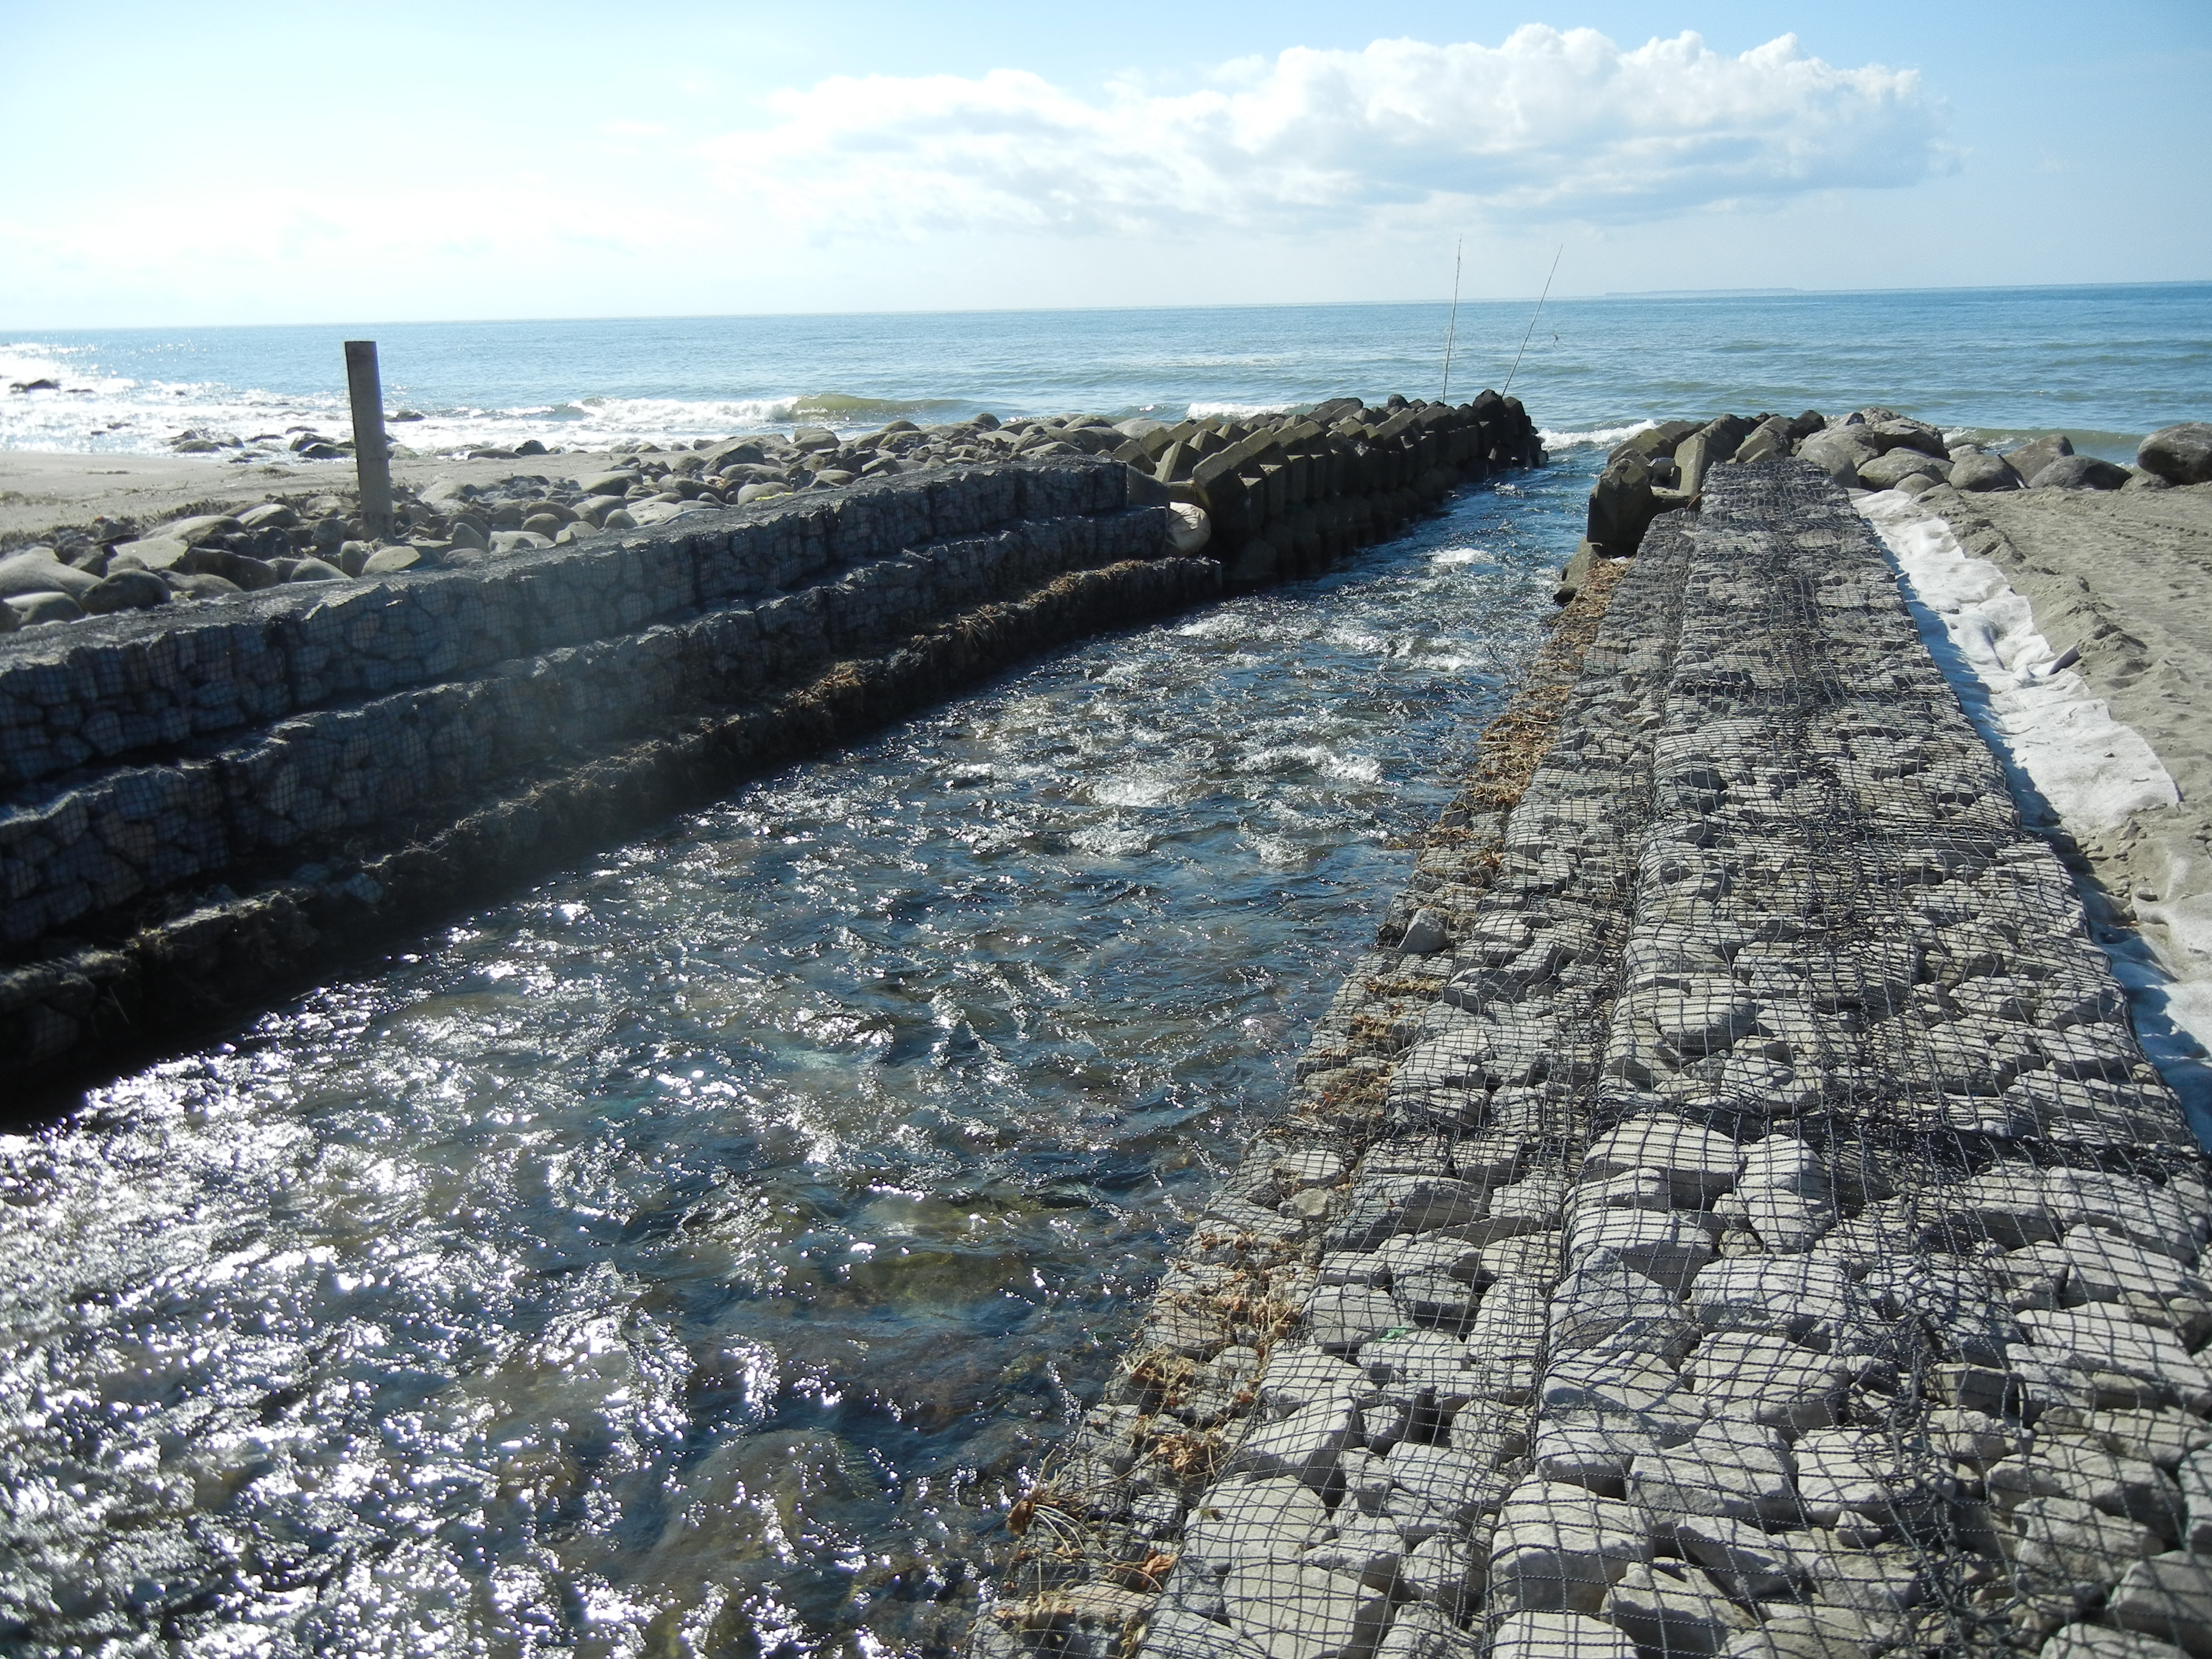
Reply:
x=1872, y=1298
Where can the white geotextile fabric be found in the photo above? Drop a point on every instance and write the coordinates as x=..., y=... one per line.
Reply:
x=2095, y=772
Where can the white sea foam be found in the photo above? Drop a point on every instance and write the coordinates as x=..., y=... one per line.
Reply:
x=1603, y=437
x=95, y=412
x=1207, y=411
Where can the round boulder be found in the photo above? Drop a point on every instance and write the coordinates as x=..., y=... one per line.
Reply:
x=126, y=590
x=314, y=570
x=31, y=608
x=1982, y=473
x=2080, y=472
x=199, y=585
x=1892, y=467
x=42, y=573
x=2179, y=454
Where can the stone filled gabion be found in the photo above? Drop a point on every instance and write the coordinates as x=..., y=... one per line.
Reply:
x=1772, y=1240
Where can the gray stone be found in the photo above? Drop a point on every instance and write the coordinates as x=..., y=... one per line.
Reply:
x=1784, y=1164
x=1736, y=1469
x=1767, y=1379
x=1782, y=1221
x=1613, y=1308
x=2097, y=1642
x=2068, y=1548
x=390, y=561
x=1440, y=1570
x=2055, y=1466
x=2194, y=1477
x=1461, y=1484
x=1670, y=1249
x=2161, y=1437
x=1897, y=432
x=1829, y=1632
x=2168, y=1596
x=317, y=570
x=1595, y=1448
x=1415, y=1359
x=1174, y=1632
x=2080, y=472
x=1979, y=474
x=1426, y=934
x=2179, y=454
x=1368, y=1547
x=1296, y=1377
x=1508, y=1324
x=1877, y=1583
x=27, y=574
x=1560, y=1636
x=1345, y=1315
x=2101, y=1337
x=1418, y=1631
x=1673, y=1609
x=1297, y=1612
x=1743, y=1558
x=1889, y=469
x=1254, y=1520
x=1559, y=1548
x=2098, y=1267
x=1839, y=452
x=34, y=608
x=126, y=590
x=1797, y=1296
x=1699, y=1164
x=2031, y=458
x=1305, y=1444
x=1845, y=1471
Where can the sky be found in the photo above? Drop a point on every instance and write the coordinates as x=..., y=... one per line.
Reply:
x=192, y=166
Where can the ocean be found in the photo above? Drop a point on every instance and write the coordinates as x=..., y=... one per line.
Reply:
x=2104, y=365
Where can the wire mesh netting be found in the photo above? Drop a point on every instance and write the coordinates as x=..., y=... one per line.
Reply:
x=1744, y=1225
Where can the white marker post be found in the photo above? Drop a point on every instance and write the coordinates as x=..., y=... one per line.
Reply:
x=372, y=455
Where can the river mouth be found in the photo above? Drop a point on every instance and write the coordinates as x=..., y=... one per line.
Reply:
x=693, y=1253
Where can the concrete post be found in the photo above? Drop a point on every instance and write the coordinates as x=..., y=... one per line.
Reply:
x=372, y=455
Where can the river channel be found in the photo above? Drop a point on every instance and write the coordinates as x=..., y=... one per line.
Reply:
x=689, y=1253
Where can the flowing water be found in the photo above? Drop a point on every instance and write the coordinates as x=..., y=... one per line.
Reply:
x=690, y=1254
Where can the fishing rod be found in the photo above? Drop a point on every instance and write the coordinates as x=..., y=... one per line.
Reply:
x=1540, y=298
x=1452, y=328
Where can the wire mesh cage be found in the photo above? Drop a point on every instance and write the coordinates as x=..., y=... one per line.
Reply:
x=1748, y=1227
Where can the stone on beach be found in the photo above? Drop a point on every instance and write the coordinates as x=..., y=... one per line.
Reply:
x=2180, y=454
x=2078, y=472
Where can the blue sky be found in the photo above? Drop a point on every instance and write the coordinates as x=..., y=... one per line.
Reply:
x=228, y=164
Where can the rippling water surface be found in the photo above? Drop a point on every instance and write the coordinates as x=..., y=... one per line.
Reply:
x=690, y=1254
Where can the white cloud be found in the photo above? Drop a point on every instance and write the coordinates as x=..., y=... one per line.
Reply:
x=1563, y=125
